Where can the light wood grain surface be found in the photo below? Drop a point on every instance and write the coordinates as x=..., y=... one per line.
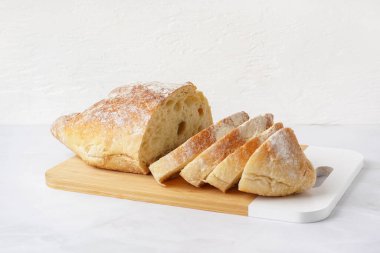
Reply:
x=74, y=175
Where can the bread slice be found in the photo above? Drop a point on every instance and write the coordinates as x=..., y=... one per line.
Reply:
x=278, y=167
x=197, y=170
x=227, y=173
x=172, y=163
x=135, y=125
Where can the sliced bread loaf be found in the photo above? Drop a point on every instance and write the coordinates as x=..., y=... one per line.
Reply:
x=197, y=170
x=172, y=163
x=227, y=173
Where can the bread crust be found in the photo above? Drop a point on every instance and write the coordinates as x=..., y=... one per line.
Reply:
x=197, y=170
x=228, y=172
x=278, y=167
x=109, y=134
x=172, y=163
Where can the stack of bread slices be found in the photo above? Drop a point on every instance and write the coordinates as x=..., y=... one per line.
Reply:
x=260, y=156
x=167, y=130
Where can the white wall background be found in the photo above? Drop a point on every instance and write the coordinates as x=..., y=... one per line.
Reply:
x=307, y=62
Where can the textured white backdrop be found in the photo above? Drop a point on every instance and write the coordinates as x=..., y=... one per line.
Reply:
x=312, y=62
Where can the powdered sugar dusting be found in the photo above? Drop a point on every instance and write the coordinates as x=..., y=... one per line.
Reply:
x=270, y=131
x=129, y=106
x=158, y=88
x=226, y=125
x=163, y=88
x=253, y=127
x=238, y=118
x=282, y=145
x=189, y=150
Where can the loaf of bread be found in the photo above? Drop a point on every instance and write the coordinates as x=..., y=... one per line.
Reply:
x=172, y=163
x=278, y=167
x=228, y=172
x=135, y=125
x=197, y=170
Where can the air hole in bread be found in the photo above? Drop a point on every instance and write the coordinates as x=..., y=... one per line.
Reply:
x=167, y=125
x=181, y=127
x=200, y=128
x=177, y=106
x=170, y=102
x=200, y=111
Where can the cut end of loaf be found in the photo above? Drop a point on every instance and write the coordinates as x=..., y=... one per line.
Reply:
x=181, y=116
x=175, y=161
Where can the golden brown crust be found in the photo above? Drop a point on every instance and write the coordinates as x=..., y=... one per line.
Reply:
x=278, y=167
x=109, y=133
x=197, y=170
x=228, y=172
x=173, y=162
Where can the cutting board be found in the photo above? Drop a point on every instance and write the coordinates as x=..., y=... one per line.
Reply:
x=313, y=205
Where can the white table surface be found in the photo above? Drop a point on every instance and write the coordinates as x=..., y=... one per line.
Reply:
x=35, y=218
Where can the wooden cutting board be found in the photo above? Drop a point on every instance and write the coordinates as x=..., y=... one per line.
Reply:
x=75, y=175
x=314, y=205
